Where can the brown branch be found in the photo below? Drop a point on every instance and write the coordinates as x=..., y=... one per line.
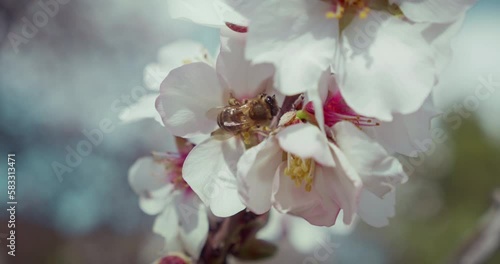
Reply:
x=229, y=235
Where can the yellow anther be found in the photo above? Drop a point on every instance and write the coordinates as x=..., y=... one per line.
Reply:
x=338, y=14
x=330, y=15
x=364, y=13
x=187, y=61
x=308, y=186
x=246, y=138
x=300, y=171
x=304, y=167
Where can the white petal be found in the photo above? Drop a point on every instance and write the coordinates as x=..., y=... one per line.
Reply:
x=246, y=8
x=173, y=56
x=306, y=141
x=154, y=74
x=305, y=237
x=341, y=229
x=243, y=79
x=440, y=36
x=296, y=37
x=142, y=109
x=210, y=170
x=256, y=169
x=315, y=98
x=327, y=84
x=436, y=11
x=199, y=11
x=375, y=211
x=340, y=186
x=146, y=175
x=194, y=224
x=167, y=225
x=318, y=96
x=295, y=200
x=156, y=201
x=386, y=67
x=401, y=134
x=378, y=170
x=186, y=95
x=198, y=139
x=182, y=52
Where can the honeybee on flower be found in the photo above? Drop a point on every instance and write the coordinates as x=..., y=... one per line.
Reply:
x=188, y=97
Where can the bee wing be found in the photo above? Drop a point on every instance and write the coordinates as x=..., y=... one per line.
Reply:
x=220, y=134
x=213, y=113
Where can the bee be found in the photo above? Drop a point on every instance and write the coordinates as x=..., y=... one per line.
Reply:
x=238, y=118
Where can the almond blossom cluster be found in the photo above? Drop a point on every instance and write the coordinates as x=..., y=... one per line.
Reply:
x=302, y=112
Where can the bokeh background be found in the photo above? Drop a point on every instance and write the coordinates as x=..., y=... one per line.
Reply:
x=66, y=76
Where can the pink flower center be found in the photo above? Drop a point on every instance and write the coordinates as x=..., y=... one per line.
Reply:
x=174, y=167
x=173, y=260
x=336, y=110
x=237, y=28
x=173, y=163
x=301, y=171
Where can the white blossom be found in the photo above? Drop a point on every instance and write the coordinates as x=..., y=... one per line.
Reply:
x=181, y=217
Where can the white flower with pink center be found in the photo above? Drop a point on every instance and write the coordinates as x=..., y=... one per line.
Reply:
x=301, y=172
x=381, y=58
x=171, y=56
x=188, y=96
x=399, y=135
x=181, y=217
x=313, y=173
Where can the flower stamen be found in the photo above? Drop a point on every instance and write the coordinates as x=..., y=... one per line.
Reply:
x=339, y=7
x=336, y=110
x=173, y=163
x=300, y=171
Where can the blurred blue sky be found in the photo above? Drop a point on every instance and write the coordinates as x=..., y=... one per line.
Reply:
x=63, y=81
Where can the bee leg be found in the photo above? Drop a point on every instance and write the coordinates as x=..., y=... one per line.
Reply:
x=262, y=131
x=234, y=102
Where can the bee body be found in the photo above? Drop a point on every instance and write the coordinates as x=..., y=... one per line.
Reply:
x=232, y=119
x=253, y=113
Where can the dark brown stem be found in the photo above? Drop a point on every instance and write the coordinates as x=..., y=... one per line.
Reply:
x=229, y=235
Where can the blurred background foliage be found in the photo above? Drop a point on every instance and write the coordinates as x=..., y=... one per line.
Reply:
x=465, y=196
